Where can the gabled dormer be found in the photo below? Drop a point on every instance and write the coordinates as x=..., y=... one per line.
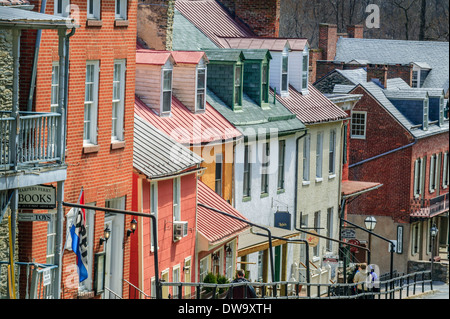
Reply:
x=299, y=65
x=154, y=75
x=256, y=75
x=279, y=75
x=190, y=79
x=225, y=75
x=413, y=104
x=419, y=73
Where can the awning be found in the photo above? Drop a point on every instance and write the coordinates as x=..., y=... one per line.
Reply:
x=20, y=18
x=250, y=243
x=354, y=188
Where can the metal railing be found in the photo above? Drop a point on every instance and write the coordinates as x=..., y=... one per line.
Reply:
x=395, y=288
x=33, y=280
x=31, y=138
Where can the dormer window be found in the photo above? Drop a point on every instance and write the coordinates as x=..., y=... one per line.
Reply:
x=265, y=83
x=201, y=87
x=441, y=111
x=419, y=74
x=238, y=85
x=425, y=114
x=284, y=72
x=305, y=71
x=166, y=101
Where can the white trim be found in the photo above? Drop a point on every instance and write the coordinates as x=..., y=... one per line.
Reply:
x=121, y=12
x=167, y=67
x=200, y=67
x=93, y=112
x=61, y=8
x=95, y=15
x=365, y=125
x=119, y=126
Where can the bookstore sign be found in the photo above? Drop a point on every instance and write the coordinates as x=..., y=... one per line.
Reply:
x=37, y=197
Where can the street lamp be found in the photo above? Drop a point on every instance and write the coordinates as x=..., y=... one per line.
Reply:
x=433, y=233
x=370, y=223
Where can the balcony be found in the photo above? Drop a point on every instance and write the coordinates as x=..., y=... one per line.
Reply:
x=32, y=146
x=427, y=208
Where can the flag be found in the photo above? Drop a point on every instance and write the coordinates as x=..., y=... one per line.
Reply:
x=79, y=239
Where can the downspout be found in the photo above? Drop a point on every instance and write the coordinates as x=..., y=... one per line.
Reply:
x=35, y=61
x=296, y=171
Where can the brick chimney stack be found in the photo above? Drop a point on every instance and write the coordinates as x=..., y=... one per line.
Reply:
x=377, y=72
x=261, y=16
x=328, y=40
x=355, y=31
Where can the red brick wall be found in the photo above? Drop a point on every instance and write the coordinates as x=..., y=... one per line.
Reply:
x=324, y=67
x=107, y=173
x=262, y=16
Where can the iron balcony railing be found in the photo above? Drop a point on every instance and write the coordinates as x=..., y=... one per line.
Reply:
x=429, y=207
x=29, y=138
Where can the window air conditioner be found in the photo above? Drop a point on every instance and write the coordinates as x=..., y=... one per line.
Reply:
x=180, y=230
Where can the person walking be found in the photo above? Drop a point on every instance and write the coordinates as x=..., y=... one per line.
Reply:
x=362, y=278
x=239, y=292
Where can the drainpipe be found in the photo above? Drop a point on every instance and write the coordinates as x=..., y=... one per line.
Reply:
x=35, y=61
x=296, y=170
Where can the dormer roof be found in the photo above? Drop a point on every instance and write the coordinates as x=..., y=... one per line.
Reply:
x=153, y=57
x=189, y=57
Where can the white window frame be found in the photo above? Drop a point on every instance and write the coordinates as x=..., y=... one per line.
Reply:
x=95, y=5
x=120, y=9
x=165, y=90
x=93, y=111
x=418, y=172
x=284, y=55
x=176, y=277
x=433, y=173
x=54, y=96
x=441, y=111
x=118, y=102
x=332, y=154
x=153, y=211
x=200, y=91
x=204, y=267
x=305, y=72
x=360, y=126
x=176, y=199
x=61, y=8
x=306, y=159
x=51, y=238
x=265, y=164
x=319, y=157
x=426, y=107
x=330, y=229
x=445, y=171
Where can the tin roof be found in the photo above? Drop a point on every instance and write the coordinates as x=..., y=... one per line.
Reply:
x=214, y=226
x=157, y=155
x=152, y=57
x=272, y=44
x=312, y=108
x=13, y=16
x=189, y=128
x=188, y=57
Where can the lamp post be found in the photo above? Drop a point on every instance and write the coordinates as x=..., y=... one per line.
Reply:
x=370, y=223
x=433, y=233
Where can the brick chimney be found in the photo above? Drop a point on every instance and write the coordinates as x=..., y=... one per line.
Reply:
x=355, y=31
x=155, y=23
x=328, y=40
x=377, y=72
x=261, y=16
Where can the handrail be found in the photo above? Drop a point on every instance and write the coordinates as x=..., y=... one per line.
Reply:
x=115, y=294
x=139, y=290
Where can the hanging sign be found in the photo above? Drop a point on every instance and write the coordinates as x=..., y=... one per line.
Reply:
x=348, y=233
x=37, y=197
x=313, y=241
x=29, y=217
x=283, y=220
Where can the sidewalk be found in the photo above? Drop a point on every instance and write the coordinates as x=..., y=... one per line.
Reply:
x=440, y=291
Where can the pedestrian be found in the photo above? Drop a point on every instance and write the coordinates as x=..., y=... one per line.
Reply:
x=362, y=278
x=375, y=281
x=351, y=277
x=239, y=292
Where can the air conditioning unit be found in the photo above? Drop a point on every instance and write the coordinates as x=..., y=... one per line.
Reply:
x=180, y=230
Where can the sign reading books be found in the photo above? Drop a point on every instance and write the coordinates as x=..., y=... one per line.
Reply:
x=37, y=197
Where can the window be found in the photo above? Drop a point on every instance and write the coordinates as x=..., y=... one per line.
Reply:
x=330, y=228
x=176, y=200
x=265, y=167
x=281, y=160
x=51, y=240
x=415, y=79
x=153, y=210
x=118, y=101
x=54, y=103
x=305, y=73
x=358, y=125
x=415, y=237
x=332, y=153
x=238, y=85
x=319, y=156
x=433, y=172
x=445, y=170
x=316, y=228
x=219, y=170
x=61, y=8
x=425, y=114
x=417, y=178
x=247, y=172
x=306, y=157
x=167, y=91
x=175, y=278
x=187, y=276
x=284, y=73
x=260, y=264
x=441, y=111
x=121, y=9
x=93, y=9
x=91, y=102
x=201, y=87
x=204, y=268
x=265, y=83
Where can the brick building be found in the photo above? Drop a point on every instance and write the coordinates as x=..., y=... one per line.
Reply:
x=100, y=107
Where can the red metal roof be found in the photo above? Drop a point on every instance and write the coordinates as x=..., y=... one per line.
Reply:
x=212, y=19
x=189, y=128
x=144, y=56
x=189, y=57
x=313, y=107
x=356, y=187
x=214, y=226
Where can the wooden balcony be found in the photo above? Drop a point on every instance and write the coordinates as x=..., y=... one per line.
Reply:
x=31, y=145
x=427, y=208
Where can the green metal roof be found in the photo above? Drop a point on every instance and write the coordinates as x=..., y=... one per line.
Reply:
x=224, y=55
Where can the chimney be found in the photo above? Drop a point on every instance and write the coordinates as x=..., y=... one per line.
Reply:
x=377, y=73
x=328, y=40
x=155, y=23
x=261, y=16
x=355, y=31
